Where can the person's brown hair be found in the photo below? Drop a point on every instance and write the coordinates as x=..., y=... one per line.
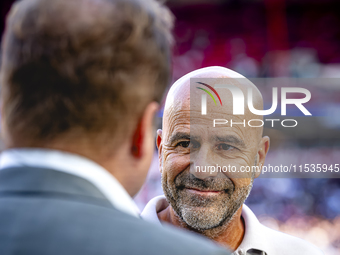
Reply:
x=82, y=67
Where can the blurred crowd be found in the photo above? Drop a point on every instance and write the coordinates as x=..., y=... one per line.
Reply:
x=259, y=38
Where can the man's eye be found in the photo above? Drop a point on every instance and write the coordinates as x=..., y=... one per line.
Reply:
x=184, y=144
x=224, y=146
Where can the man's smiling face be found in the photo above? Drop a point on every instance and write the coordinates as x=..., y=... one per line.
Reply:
x=204, y=200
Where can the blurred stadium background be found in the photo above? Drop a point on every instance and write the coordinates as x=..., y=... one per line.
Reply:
x=262, y=39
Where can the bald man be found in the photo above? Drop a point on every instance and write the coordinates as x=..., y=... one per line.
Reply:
x=211, y=202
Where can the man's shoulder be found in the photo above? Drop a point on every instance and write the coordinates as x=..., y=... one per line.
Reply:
x=288, y=244
x=283, y=243
x=272, y=241
x=165, y=239
x=63, y=226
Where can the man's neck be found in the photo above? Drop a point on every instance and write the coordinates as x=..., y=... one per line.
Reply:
x=231, y=234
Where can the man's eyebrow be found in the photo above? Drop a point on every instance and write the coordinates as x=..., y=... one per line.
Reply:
x=231, y=139
x=179, y=136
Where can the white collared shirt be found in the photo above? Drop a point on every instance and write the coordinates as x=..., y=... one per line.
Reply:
x=72, y=164
x=256, y=236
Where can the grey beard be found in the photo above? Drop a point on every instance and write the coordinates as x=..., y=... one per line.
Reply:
x=205, y=216
x=212, y=217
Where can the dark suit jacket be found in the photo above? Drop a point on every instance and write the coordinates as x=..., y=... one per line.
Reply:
x=47, y=212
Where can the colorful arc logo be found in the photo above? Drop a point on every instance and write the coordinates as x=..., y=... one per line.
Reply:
x=212, y=89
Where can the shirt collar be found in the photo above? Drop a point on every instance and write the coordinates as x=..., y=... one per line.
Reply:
x=76, y=165
x=253, y=236
x=154, y=206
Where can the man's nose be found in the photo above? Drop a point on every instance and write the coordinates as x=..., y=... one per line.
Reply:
x=202, y=165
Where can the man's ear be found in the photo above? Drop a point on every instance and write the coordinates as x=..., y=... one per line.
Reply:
x=262, y=153
x=159, y=147
x=143, y=129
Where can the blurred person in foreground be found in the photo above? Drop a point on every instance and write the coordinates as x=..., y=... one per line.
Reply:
x=80, y=84
x=212, y=202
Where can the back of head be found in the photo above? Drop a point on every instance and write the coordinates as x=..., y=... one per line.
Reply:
x=82, y=69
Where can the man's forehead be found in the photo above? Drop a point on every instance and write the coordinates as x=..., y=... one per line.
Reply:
x=183, y=94
x=181, y=88
x=183, y=103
